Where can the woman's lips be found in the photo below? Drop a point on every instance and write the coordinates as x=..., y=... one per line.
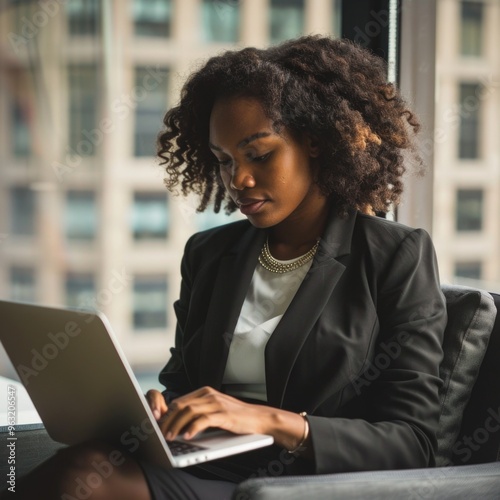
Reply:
x=250, y=207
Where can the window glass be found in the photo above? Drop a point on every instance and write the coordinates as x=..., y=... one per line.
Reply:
x=22, y=211
x=22, y=284
x=83, y=16
x=152, y=17
x=220, y=20
x=470, y=270
x=150, y=94
x=150, y=302
x=21, y=137
x=287, y=19
x=83, y=102
x=150, y=217
x=80, y=215
x=470, y=104
x=471, y=32
x=469, y=210
x=80, y=290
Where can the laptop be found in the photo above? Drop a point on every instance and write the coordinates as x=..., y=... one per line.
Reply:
x=83, y=387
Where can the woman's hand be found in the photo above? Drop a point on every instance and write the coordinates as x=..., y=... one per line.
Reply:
x=206, y=407
x=156, y=403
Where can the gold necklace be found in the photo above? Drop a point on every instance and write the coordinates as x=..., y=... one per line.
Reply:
x=267, y=261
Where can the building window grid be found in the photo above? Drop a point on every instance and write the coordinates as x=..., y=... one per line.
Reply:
x=152, y=18
x=22, y=284
x=469, y=269
x=287, y=19
x=81, y=215
x=21, y=133
x=84, y=17
x=22, y=211
x=220, y=21
x=80, y=290
x=469, y=210
x=471, y=28
x=150, y=91
x=150, y=216
x=150, y=302
x=470, y=118
x=83, y=109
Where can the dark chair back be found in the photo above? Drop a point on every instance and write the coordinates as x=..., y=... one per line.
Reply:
x=480, y=432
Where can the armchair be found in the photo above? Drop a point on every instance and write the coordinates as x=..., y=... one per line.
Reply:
x=468, y=458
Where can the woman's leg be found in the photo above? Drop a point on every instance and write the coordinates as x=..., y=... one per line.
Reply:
x=98, y=471
x=91, y=471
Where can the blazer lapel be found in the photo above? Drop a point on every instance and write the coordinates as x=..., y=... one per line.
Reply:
x=229, y=291
x=287, y=339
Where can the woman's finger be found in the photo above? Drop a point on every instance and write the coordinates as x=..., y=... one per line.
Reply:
x=156, y=403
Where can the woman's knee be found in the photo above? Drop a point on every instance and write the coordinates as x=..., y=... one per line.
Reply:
x=89, y=470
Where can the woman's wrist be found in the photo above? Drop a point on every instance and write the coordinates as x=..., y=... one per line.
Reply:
x=290, y=430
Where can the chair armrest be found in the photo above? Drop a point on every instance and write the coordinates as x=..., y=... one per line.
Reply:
x=460, y=482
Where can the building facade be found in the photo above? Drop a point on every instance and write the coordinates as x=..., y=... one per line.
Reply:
x=466, y=228
x=86, y=220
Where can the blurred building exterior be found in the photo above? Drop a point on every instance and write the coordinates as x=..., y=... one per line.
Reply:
x=467, y=146
x=86, y=220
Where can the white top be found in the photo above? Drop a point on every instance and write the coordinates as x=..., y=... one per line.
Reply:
x=267, y=299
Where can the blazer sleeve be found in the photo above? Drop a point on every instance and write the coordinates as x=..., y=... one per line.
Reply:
x=173, y=376
x=401, y=382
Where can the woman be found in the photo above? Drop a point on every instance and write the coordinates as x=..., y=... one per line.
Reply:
x=311, y=321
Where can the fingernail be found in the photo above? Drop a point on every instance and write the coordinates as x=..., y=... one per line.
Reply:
x=169, y=436
x=156, y=414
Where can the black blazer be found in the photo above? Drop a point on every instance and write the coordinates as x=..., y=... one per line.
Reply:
x=358, y=348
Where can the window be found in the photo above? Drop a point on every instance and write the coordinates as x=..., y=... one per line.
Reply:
x=80, y=215
x=150, y=302
x=220, y=20
x=22, y=211
x=80, y=291
x=470, y=270
x=470, y=103
x=150, y=218
x=83, y=17
x=152, y=17
x=287, y=19
x=22, y=284
x=83, y=91
x=150, y=93
x=471, y=36
x=337, y=18
x=469, y=210
x=21, y=136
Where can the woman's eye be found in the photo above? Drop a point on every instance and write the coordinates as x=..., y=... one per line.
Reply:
x=224, y=163
x=261, y=158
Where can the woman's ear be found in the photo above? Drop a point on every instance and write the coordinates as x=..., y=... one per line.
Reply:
x=313, y=145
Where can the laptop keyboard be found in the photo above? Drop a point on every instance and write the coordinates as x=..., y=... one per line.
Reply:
x=180, y=448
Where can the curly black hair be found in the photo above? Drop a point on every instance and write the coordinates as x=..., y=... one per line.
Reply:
x=332, y=89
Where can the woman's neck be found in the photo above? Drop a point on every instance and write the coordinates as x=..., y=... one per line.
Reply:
x=298, y=233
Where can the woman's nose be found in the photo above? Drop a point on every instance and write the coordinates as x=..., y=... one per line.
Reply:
x=241, y=178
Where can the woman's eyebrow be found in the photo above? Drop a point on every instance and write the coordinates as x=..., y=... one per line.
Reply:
x=244, y=142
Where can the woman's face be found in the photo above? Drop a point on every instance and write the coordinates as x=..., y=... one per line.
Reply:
x=268, y=175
